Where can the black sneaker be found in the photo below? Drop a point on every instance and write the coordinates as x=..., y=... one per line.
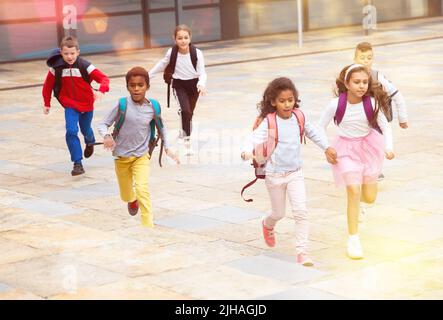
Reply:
x=89, y=150
x=381, y=177
x=78, y=169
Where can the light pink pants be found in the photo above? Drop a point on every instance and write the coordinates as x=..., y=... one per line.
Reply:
x=294, y=184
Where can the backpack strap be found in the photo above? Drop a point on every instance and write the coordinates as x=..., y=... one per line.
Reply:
x=301, y=123
x=57, y=82
x=83, y=65
x=341, y=108
x=156, y=123
x=367, y=105
x=369, y=111
x=247, y=186
x=169, y=71
x=272, y=135
x=193, y=54
x=121, y=113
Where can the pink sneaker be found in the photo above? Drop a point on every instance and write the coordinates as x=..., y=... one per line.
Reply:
x=304, y=260
x=268, y=234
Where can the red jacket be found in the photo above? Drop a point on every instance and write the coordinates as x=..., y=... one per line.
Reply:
x=75, y=92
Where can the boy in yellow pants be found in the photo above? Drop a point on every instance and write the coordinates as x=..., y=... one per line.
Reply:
x=130, y=142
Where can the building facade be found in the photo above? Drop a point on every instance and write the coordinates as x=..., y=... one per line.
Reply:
x=30, y=28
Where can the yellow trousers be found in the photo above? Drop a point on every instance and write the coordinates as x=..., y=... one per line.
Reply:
x=135, y=171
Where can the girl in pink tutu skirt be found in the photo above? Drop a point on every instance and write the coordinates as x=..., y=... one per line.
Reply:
x=364, y=139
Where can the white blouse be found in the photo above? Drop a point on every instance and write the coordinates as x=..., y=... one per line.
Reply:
x=184, y=69
x=354, y=123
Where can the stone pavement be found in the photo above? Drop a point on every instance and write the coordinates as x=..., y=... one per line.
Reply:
x=64, y=237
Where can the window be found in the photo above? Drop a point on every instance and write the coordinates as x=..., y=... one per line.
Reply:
x=267, y=17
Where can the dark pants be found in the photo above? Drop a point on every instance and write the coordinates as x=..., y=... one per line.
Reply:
x=187, y=95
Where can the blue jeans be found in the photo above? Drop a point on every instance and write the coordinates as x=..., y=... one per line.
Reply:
x=73, y=118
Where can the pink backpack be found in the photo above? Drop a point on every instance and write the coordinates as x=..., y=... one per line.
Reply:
x=267, y=148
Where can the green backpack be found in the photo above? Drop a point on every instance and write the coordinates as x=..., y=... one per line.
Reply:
x=155, y=123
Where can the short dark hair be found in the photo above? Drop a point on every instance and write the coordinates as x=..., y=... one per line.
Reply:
x=363, y=47
x=137, y=71
x=69, y=42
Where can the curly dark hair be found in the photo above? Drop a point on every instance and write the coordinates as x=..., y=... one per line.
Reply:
x=375, y=90
x=271, y=93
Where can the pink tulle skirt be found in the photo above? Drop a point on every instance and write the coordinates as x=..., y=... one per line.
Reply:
x=360, y=160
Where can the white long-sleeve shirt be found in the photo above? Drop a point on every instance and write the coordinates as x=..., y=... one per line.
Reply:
x=184, y=69
x=398, y=101
x=287, y=154
x=355, y=123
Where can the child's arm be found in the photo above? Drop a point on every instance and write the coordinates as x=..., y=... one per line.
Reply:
x=161, y=65
x=201, y=85
x=256, y=138
x=318, y=136
x=168, y=150
x=100, y=78
x=397, y=100
x=327, y=115
x=47, y=90
x=103, y=126
x=387, y=134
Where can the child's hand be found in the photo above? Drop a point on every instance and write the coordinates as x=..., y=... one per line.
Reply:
x=247, y=156
x=201, y=90
x=46, y=110
x=403, y=125
x=389, y=155
x=331, y=155
x=98, y=95
x=172, y=155
x=108, y=142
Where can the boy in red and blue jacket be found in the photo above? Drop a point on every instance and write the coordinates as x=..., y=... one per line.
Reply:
x=70, y=78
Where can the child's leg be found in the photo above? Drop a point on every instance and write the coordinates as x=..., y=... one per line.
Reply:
x=75, y=149
x=186, y=112
x=140, y=169
x=353, y=192
x=85, y=126
x=276, y=186
x=123, y=170
x=297, y=198
x=368, y=192
x=193, y=97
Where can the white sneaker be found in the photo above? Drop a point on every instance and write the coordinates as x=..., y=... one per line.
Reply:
x=355, y=250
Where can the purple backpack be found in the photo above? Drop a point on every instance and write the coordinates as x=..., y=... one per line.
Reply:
x=341, y=109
